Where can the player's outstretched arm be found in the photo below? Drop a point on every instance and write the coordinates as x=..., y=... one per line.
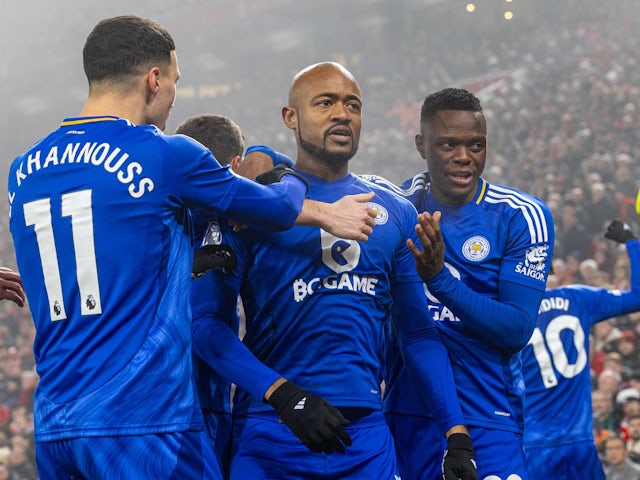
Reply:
x=349, y=218
x=317, y=423
x=11, y=286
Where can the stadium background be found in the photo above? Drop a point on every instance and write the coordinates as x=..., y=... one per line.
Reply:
x=560, y=83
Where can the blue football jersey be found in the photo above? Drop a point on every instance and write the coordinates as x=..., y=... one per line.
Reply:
x=502, y=237
x=317, y=307
x=555, y=362
x=99, y=218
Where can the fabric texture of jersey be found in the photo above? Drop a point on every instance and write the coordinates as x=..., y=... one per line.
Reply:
x=98, y=214
x=502, y=235
x=326, y=291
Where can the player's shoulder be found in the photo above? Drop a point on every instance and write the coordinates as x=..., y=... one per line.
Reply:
x=407, y=189
x=518, y=208
x=511, y=197
x=386, y=192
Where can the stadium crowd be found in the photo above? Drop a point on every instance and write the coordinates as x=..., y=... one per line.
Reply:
x=562, y=97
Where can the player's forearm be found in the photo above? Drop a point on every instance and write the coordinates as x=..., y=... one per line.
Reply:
x=507, y=324
x=425, y=355
x=434, y=381
x=273, y=207
x=216, y=344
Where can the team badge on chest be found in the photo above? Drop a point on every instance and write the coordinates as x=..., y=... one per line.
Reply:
x=476, y=248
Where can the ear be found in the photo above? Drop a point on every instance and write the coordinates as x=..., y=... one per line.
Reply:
x=153, y=79
x=419, y=140
x=235, y=161
x=290, y=117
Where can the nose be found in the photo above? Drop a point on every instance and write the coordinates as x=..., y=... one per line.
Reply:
x=341, y=112
x=462, y=154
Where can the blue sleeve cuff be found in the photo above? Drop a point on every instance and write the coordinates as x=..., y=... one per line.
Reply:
x=277, y=157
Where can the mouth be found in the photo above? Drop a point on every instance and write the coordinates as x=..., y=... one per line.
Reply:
x=340, y=134
x=461, y=179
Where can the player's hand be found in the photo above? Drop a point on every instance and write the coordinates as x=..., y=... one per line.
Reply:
x=317, y=423
x=429, y=260
x=618, y=231
x=11, y=286
x=350, y=217
x=209, y=257
x=459, y=461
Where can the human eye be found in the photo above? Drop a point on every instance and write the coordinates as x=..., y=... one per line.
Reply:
x=355, y=106
x=477, y=147
x=446, y=145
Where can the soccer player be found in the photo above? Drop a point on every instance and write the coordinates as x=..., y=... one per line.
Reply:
x=225, y=139
x=316, y=308
x=558, y=434
x=99, y=218
x=486, y=252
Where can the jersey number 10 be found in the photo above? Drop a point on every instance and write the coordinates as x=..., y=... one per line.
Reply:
x=552, y=343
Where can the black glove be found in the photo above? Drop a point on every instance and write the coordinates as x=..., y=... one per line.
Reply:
x=458, y=461
x=618, y=231
x=317, y=423
x=209, y=257
x=276, y=174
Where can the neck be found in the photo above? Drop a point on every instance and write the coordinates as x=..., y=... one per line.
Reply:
x=116, y=106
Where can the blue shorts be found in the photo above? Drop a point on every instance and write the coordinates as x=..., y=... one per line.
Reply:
x=264, y=448
x=168, y=456
x=219, y=426
x=577, y=460
x=420, y=447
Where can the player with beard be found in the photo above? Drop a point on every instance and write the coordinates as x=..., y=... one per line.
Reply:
x=316, y=310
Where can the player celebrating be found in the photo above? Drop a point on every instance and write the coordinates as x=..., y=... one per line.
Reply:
x=558, y=434
x=99, y=212
x=316, y=308
x=484, y=259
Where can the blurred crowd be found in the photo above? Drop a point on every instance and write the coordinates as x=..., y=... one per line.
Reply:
x=562, y=101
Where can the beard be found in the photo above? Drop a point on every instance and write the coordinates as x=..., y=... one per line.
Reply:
x=322, y=153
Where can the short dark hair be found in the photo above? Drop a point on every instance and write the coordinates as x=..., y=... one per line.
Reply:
x=448, y=99
x=122, y=46
x=218, y=133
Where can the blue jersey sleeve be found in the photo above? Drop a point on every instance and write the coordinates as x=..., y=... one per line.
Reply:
x=423, y=351
x=506, y=323
x=417, y=335
x=214, y=299
x=197, y=177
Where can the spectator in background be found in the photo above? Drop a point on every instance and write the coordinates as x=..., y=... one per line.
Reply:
x=609, y=381
x=629, y=353
x=618, y=465
x=633, y=432
x=606, y=335
x=603, y=410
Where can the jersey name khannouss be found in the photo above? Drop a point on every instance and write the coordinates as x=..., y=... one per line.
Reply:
x=113, y=159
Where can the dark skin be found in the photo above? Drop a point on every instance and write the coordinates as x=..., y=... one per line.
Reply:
x=325, y=111
x=454, y=145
